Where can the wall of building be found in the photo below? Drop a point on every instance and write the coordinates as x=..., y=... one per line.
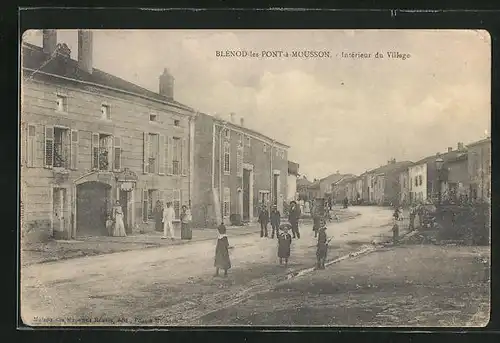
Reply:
x=404, y=185
x=479, y=170
x=392, y=187
x=292, y=188
x=418, y=191
x=129, y=120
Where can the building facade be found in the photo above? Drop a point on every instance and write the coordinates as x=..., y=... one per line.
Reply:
x=479, y=170
x=457, y=180
x=293, y=174
x=404, y=184
x=89, y=139
x=237, y=170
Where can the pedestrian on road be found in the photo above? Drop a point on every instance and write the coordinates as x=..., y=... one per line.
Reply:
x=168, y=218
x=293, y=218
x=395, y=232
x=412, y=219
x=119, y=226
x=322, y=246
x=222, y=260
x=263, y=220
x=185, y=221
x=275, y=221
x=284, y=242
x=158, y=214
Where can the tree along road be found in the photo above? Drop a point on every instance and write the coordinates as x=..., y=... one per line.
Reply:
x=174, y=285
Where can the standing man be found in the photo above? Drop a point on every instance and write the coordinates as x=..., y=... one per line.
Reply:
x=263, y=220
x=275, y=221
x=293, y=218
x=168, y=218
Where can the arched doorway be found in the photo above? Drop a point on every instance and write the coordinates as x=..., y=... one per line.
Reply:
x=92, y=207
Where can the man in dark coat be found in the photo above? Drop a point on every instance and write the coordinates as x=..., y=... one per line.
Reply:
x=275, y=220
x=263, y=220
x=293, y=218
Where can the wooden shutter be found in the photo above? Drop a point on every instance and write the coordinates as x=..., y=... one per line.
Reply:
x=23, y=135
x=49, y=147
x=161, y=155
x=184, y=157
x=170, y=155
x=95, y=151
x=239, y=160
x=145, y=205
x=74, y=150
x=117, y=153
x=146, y=153
x=177, y=202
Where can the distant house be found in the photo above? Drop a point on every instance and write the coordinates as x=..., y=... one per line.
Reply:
x=293, y=174
x=303, y=188
x=404, y=184
x=423, y=175
x=328, y=184
x=457, y=181
x=479, y=169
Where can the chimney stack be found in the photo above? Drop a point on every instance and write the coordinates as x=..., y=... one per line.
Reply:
x=450, y=149
x=49, y=44
x=242, y=121
x=167, y=85
x=85, y=50
x=232, y=116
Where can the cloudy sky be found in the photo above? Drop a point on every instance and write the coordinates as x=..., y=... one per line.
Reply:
x=339, y=113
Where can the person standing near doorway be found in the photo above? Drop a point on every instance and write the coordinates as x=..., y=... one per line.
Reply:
x=158, y=215
x=119, y=226
x=263, y=220
x=168, y=218
x=275, y=221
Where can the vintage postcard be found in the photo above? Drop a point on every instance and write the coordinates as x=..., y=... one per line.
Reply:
x=334, y=178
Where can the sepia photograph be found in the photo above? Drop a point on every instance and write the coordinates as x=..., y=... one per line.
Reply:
x=281, y=178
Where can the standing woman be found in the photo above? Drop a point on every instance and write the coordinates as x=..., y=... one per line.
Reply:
x=222, y=260
x=284, y=242
x=158, y=214
x=119, y=227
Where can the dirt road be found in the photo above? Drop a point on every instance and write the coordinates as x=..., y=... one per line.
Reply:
x=174, y=285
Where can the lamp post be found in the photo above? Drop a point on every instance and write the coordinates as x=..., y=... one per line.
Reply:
x=439, y=167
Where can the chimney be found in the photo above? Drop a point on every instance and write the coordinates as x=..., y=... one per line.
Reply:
x=242, y=121
x=85, y=50
x=232, y=115
x=167, y=84
x=450, y=149
x=460, y=146
x=49, y=41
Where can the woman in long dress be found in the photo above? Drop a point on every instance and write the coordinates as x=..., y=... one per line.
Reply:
x=222, y=260
x=119, y=228
x=284, y=242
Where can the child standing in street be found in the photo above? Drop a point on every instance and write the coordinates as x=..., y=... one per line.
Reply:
x=284, y=242
x=322, y=246
x=222, y=260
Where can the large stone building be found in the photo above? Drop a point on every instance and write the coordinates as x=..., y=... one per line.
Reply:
x=236, y=171
x=479, y=169
x=89, y=139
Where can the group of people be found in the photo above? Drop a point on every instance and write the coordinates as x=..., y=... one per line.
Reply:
x=282, y=230
x=274, y=218
x=115, y=222
x=164, y=218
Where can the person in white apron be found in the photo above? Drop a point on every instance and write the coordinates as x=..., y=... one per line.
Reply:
x=119, y=226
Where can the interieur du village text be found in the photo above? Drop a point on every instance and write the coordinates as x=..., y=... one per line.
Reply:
x=309, y=54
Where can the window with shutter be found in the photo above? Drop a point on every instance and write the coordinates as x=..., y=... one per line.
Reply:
x=177, y=203
x=176, y=156
x=74, y=149
x=145, y=153
x=161, y=155
x=145, y=206
x=184, y=159
x=95, y=151
x=23, y=134
x=227, y=159
x=239, y=158
x=169, y=155
x=117, y=155
x=31, y=146
x=227, y=202
x=49, y=146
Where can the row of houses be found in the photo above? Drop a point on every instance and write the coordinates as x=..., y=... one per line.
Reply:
x=461, y=173
x=89, y=139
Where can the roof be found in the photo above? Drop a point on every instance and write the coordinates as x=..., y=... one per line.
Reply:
x=482, y=141
x=348, y=178
x=34, y=58
x=293, y=168
x=391, y=167
x=447, y=156
x=303, y=182
x=336, y=177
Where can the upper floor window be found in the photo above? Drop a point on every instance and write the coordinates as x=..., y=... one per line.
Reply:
x=227, y=159
x=60, y=148
x=153, y=117
x=420, y=180
x=62, y=103
x=247, y=141
x=265, y=147
x=153, y=152
x=176, y=156
x=105, y=114
x=177, y=122
x=227, y=134
x=102, y=150
x=240, y=139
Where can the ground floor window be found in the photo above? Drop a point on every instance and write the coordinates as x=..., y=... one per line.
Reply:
x=227, y=202
x=177, y=203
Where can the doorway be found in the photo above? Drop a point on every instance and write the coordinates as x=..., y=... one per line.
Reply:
x=275, y=188
x=92, y=208
x=59, y=210
x=246, y=195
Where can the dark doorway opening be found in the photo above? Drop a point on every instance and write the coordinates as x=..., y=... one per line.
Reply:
x=92, y=206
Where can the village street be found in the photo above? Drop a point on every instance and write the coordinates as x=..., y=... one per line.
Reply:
x=174, y=285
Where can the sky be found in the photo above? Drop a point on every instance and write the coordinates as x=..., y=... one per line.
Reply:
x=337, y=114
